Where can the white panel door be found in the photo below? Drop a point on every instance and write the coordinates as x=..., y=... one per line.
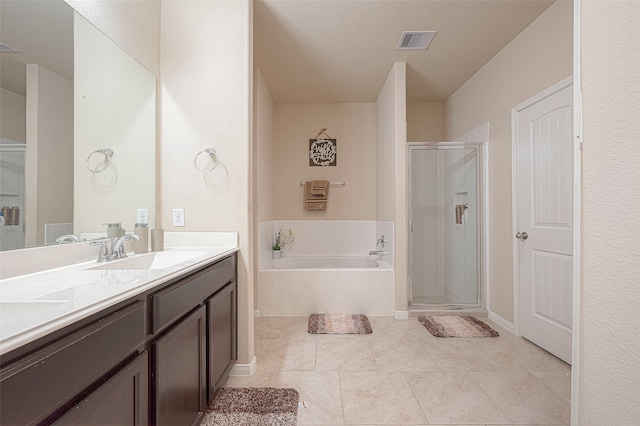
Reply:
x=544, y=221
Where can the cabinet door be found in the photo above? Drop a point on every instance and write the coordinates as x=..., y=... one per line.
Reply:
x=179, y=380
x=222, y=332
x=122, y=400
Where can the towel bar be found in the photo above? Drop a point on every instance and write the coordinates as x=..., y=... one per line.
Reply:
x=330, y=183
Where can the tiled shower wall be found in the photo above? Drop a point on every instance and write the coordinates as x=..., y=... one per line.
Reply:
x=326, y=238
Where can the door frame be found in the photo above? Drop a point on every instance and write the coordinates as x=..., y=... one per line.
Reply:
x=515, y=201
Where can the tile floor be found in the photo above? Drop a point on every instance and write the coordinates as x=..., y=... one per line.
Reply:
x=401, y=374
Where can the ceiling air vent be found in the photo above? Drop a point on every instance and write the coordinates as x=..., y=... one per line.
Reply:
x=415, y=40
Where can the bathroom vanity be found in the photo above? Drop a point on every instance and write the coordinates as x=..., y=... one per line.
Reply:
x=153, y=354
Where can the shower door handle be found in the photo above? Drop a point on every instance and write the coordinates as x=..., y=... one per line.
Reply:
x=522, y=235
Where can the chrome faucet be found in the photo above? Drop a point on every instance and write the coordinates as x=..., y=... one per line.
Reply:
x=67, y=238
x=103, y=254
x=117, y=249
x=380, y=242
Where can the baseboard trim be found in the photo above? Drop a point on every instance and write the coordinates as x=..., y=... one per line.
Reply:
x=502, y=322
x=401, y=315
x=244, y=369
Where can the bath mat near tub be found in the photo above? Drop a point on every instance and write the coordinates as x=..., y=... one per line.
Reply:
x=253, y=406
x=339, y=324
x=457, y=326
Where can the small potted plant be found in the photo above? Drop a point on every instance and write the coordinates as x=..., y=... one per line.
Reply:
x=284, y=237
x=277, y=251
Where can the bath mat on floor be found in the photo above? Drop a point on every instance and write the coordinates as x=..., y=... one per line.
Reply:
x=457, y=326
x=339, y=324
x=253, y=406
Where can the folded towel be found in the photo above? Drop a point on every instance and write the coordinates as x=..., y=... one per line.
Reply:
x=460, y=214
x=315, y=206
x=313, y=202
x=310, y=196
x=319, y=187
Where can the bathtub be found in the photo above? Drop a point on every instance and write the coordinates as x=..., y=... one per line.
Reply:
x=300, y=286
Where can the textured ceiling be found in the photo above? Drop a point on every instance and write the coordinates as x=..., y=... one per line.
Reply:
x=343, y=50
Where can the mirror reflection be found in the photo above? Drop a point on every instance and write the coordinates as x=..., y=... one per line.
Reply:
x=77, y=129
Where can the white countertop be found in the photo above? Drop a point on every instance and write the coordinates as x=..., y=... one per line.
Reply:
x=64, y=295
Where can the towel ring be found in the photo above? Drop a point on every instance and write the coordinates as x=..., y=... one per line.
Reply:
x=214, y=158
x=107, y=152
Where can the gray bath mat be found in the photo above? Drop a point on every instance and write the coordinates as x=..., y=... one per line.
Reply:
x=339, y=324
x=253, y=406
x=457, y=326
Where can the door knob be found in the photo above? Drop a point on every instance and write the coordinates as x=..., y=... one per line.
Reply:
x=522, y=235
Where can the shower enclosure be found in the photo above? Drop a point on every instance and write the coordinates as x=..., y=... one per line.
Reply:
x=445, y=212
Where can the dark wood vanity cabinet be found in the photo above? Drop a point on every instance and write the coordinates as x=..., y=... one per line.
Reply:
x=59, y=377
x=179, y=384
x=121, y=400
x=192, y=354
x=155, y=359
x=222, y=328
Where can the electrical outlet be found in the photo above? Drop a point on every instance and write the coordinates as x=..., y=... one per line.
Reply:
x=178, y=217
x=143, y=216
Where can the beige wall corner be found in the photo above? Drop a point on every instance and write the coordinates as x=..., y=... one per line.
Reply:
x=391, y=184
x=537, y=58
x=207, y=98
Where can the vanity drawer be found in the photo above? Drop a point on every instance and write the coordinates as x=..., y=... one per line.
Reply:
x=39, y=384
x=172, y=302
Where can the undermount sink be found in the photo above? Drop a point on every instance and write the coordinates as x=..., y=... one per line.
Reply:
x=149, y=261
x=12, y=310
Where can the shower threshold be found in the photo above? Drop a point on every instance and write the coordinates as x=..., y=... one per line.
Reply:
x=416, y=310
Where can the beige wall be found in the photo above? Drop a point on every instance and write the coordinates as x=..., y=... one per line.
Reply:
x=133, y=25
x=537, y=58
x=391, y=187
x=264, y=150
x=609, y=371
x=13, y=119
x=425, y=122
x=354, y=127
x=263, y=187
x=49, y=156
x=207, y=100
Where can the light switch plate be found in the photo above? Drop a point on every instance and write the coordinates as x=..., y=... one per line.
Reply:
x=178, y=217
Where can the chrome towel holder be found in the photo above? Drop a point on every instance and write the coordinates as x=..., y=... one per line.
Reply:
x=107, y=152
x=330, y=183
x=214, y=158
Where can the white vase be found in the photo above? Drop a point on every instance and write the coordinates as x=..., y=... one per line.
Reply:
x=277, y=254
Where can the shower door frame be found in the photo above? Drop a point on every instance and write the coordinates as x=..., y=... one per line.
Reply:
x=481, y=170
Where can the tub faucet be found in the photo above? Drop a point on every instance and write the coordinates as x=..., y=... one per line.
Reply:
x=117, y=249
x=380, y=242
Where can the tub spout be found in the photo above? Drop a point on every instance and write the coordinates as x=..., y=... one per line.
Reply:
x=378, y=252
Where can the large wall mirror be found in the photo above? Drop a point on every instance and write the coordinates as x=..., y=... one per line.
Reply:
x=77, y=128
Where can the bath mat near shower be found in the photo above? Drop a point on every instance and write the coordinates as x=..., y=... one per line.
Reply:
x=339, y=324
x=253, y=406
x=457, y=326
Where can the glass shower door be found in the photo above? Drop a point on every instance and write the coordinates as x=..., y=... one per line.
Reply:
x=444, y=254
